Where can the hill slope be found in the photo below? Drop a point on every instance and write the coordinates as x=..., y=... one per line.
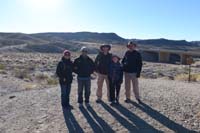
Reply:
x=56, y=42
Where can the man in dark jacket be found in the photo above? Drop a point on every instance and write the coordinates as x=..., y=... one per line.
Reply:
x=102, y=63
x=64, y=72
x=132, y=66
x=84, y=67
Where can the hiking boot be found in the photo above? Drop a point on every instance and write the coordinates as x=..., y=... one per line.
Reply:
x=117, y=101
x=69, y=107
x=139, y=101
x=80, y=105
x=87, y=104
x=127, y=100
x=112, y=103
x=98, y=100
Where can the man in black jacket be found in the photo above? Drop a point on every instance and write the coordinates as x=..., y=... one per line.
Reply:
x=64, y=72
x=132, y=66
x=102, y=62
x=84, y=67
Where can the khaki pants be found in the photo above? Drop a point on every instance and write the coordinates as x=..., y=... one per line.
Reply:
x=100, y=80
x=131, y=77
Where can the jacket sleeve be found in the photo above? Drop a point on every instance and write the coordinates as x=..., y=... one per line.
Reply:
x=75, y=67
x=124, y=61
x=93, y=66
x=121, y=75
x=139, y=65
x=97, y=62
x=59, y=70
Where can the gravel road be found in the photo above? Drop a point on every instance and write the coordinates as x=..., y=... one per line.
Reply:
x=168, y=106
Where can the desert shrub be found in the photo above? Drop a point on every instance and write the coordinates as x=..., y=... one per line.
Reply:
x=30, y=86
x=3, y=72
x=2, y=67
x=41, y=76
x=52, y=81
x=184, y=77
x=21, y=73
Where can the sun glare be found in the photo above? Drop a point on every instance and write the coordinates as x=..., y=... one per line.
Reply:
x=43, y=4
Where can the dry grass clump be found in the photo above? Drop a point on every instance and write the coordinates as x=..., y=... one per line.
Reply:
x=2, y=67
x=3, y=72
x=184, y=77
x=41, y=76
x=22, y=73
x=30, y=86
x=46, y=79
x=52, y=81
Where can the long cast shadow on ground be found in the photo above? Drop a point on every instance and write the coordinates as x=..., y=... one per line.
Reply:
x=142, y=125
x=71, y=122
x=162, y=118
x=97, y=126
x=136, y=123
x=105, y=127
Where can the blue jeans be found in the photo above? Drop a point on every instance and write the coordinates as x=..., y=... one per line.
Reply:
x=65, y=94
x=84, y=84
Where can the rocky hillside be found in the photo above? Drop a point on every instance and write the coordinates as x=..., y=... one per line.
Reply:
x=57, y=42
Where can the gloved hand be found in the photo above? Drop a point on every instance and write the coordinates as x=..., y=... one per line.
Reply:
x=138, y=75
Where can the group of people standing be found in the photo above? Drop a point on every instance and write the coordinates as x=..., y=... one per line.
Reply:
x=109, y=69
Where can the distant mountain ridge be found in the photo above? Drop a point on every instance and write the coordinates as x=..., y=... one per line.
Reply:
x=56, y=42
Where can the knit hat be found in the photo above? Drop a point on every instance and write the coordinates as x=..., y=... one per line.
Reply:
x=66, y=52
x=114, y=55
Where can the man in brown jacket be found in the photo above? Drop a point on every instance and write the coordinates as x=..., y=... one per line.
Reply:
x=102, y=63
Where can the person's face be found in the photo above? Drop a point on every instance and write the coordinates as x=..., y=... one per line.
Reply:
x=105, y=49
x=115, y=59
x=84, y=53
x=67, y=56
x=132, y=47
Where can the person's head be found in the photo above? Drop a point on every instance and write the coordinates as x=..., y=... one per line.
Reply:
x=131, y=46
x=84, y=51
x=105, y=48
x=115, y=58
x=67, y=54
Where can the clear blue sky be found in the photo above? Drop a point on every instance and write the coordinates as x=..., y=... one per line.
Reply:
x=142, y=19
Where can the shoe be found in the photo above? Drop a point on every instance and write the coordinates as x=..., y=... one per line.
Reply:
x=98, y=100
x=80, y=105
x=112, y=103
x=139, y=101
x=69, y=107
x=87, y=104
x=117, y=102
x=127, y=100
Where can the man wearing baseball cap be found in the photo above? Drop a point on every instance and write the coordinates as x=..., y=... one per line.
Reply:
x=64, y=72
x=84, y=67
x=132, y=66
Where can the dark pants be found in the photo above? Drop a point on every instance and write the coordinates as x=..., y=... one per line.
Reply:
x=84, y=84
x=65, y=93
x=114, y=90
